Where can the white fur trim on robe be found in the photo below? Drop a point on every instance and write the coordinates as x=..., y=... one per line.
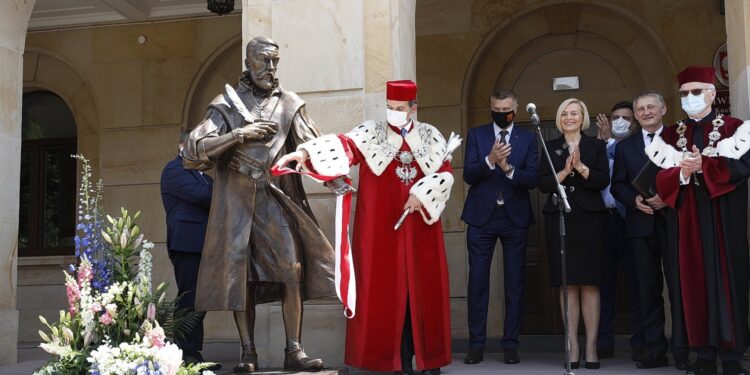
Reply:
x=365, y=137
x=327, y=155
x=666, y=156
x=736, y=145
x=663, y=154
x=433, y=191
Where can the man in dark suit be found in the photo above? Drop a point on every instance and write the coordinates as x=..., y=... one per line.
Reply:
x=613, y=130
x=501, y=167
x=646, y=234
x=186, y=195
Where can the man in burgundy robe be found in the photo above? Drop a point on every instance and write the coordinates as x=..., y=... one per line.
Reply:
x=402, y=302
x=705, y=167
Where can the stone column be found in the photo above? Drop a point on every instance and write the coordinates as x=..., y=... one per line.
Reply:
x=14, y=19
x=737, y=16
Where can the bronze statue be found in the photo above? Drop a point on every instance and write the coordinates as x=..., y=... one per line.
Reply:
x=263, y=242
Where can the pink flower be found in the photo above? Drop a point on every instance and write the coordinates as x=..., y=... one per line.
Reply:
x=155, y=337
x=73, y=294
x=105, y=319
x=151, y=312
x=84, y=273
x=95, y=307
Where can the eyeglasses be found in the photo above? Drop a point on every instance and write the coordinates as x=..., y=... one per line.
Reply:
x=695, y=92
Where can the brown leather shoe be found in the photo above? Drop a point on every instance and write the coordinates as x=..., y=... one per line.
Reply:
x=296, y=359
x=248, y=360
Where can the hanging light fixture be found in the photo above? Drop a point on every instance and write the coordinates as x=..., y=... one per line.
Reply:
x=220, y=7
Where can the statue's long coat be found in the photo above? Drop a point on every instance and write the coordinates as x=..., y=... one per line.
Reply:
x=225, y=266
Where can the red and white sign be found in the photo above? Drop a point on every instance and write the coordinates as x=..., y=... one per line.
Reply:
x=721, y=65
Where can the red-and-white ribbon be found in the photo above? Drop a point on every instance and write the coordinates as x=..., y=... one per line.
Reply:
x=346, y=285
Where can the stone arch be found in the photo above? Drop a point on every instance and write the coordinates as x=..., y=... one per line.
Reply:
x=557, y=38
x=45, y=71
x=223, y=66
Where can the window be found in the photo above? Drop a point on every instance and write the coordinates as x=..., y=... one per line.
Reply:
x=48, y=176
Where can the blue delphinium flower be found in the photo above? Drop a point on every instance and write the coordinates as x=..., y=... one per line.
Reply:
x=88, y=239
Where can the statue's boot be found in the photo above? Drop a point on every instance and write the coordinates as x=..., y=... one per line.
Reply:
x=296, y=359
x=248, y=360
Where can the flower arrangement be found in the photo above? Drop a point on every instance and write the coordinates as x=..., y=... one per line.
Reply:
x=112, y=324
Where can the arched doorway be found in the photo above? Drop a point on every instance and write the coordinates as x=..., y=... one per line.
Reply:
x=48, y=176
x=613, y=53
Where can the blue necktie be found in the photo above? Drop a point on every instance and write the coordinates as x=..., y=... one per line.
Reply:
x=403, y=132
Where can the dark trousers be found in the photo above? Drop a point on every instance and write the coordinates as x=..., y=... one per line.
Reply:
x=186, y=275
x=620, y=258
x=481, y=245
x=407, y=341
x=647, y=252
x=726, y=355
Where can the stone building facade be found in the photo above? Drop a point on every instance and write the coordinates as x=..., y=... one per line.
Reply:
x=130, y=97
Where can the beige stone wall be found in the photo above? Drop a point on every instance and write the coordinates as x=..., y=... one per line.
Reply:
x=617, y=48
x=129, y=101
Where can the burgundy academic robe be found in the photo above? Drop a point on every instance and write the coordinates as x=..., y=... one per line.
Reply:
x=392, y=266
x=712, y=233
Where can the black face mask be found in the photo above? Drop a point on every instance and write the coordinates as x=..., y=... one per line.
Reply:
x=503, y=119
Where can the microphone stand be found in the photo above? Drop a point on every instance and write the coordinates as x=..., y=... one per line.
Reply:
x=564, y=206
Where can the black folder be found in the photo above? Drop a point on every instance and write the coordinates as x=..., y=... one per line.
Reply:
x=645, y=181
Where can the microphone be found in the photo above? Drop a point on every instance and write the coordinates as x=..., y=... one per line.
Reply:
x=531, y=108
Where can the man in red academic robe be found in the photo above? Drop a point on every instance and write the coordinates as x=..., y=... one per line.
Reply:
x=402, y=304
x=705, y=167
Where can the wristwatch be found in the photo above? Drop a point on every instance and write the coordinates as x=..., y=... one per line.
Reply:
x=510, y=170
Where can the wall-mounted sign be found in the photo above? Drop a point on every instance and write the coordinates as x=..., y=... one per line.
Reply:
x=721, y=103
x=721, y=65
x=565, y=83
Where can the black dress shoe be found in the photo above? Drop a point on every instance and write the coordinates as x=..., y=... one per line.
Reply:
x=573, y=365
x=702, y=366
x=732, y=368
x=653, y=361
x=681, y=362
x=474, y=356
x=435, y=371
x=591, y=365
x=605, y=353
x=511, y=357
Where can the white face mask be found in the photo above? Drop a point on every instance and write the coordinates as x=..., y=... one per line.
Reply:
x=396, y=118
x=620, y=127
x=694, y=104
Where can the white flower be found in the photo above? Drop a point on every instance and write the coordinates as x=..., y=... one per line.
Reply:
x=169, y=358
x=55, y=348
x=144, y=270
x=111, y=309
x=124, y=238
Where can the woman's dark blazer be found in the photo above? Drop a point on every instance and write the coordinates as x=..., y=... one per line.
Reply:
x=583, y=194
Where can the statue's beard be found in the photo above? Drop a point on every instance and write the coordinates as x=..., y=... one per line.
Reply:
x=265, y=83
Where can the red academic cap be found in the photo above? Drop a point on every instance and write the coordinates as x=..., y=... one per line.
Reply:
x=696, y=74
x=403, y=90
